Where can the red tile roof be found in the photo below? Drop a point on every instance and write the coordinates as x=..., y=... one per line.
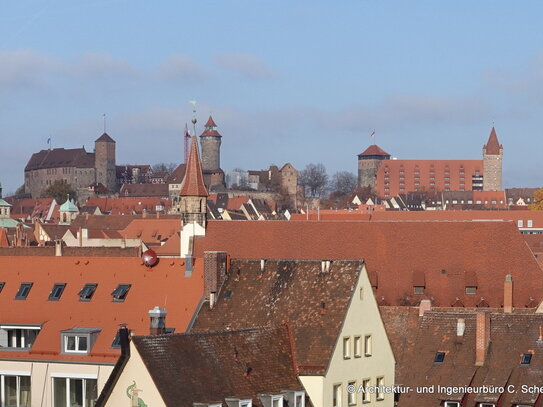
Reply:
x=129, y=205
x=493, y=146
x=444, y=251
x=374, y=149
x=193, y=183
x=4, y=242
x=210, y=122
x=105, y=138
x=164, y=285
x=151, y=230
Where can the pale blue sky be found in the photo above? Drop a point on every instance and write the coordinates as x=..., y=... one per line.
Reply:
x=299, y=81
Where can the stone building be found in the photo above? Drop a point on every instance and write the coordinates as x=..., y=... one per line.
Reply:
x=76, y=167
x=390, y=177
x=210, y=141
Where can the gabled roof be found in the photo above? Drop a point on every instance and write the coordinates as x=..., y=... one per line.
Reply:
x=104, y=138
x=209, y=367
x=178, y=174
x=444, y=251
x=374, y=149
x=193, y=183
x=290, y=292
x=492, y=146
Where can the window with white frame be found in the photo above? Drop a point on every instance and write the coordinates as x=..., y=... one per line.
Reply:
x=78, y=340
x=15, y=389
x=357, y=346
x=530, y=223
x=70, y=392
x=294, y=398
x=336, y=395
x=451, y=404
x=346, y=348
x=519, y=223
x=367, y=345
x=351, y=395
x=18, y=336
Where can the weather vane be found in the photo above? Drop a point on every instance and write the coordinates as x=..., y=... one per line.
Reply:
x=193, y=103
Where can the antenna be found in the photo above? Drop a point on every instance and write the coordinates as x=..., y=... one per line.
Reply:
x=186, y=143
x=193, y=103
x=104, y=116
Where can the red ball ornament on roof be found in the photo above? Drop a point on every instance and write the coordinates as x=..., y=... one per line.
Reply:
x=149, y=258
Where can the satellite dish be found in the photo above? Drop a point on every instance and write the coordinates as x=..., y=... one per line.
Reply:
x=149, y=258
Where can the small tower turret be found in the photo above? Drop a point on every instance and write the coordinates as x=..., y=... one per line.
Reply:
x=193, y=193
x=492, y=163
x=210, y=141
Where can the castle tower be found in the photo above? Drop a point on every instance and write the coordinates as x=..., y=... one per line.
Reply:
x=193, y=193
x=368, y=163
x=104, y=162
x=492, y=163
x=210, y=141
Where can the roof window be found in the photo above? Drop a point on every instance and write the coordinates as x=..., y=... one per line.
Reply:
x=119, y=294
x=2, y=284
x=57, y=291
x=439, y=358
x=24, y=289
x=87, y=292
x=526, y=359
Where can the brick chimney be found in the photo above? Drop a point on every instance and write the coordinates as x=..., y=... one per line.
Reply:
x=508, y=294
x=58, y=248
x=214, y=274
x=482, y=337
x=425, y=305
x=158, y=321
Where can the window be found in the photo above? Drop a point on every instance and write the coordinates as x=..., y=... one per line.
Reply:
x=519, y=223
x=2, y=284
x=87, y=292
x=18, y=336
x=366, y=395
x=15, y=390
x=23, y=291
x=526, y=359
x=68, y=392
x=439, y=358
x=451, y=404
x=277, y=401
x=78, y=340
x=471, y=290
x=418, y=290
x=56, y=292
x=486, y=405
x=357, y=346
x=530, y=223
x=380, y=382
x=119, y=294
x=367, y=345
x=346, y=348
x=336, y=395
x=361, y=292
x=351, y=396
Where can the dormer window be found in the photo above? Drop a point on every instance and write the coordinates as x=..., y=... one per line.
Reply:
x=271, y=400
x=79, y=340
x=294, y=398
x=119, y=294
x=233, y=402
x=18, y=336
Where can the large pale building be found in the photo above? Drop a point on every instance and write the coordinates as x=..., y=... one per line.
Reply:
x=390, y=177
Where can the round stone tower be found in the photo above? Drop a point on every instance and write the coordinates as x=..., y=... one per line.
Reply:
x=368, y=163
x=104, y=162
x=210, y=141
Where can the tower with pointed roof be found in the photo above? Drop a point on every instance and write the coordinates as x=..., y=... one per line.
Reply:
x=210, y=141
x=368, y=163
x=193, y=193
x=104, y=150
x=492, y=163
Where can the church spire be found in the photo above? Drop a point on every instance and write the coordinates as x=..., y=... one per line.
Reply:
x=492, y=146
x=193, y=183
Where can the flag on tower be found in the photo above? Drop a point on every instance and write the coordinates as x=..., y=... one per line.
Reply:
x=372, y=135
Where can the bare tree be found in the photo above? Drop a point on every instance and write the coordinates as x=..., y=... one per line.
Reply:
x=313, y=179
x=343, y=183
x=167, y=167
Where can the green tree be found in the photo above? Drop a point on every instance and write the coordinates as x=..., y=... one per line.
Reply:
x=60, y=191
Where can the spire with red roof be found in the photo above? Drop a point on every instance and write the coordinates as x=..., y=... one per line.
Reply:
x=193, y=182
x=492, y=146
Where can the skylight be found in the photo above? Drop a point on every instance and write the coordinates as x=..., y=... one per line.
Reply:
x=119, y=294
x=1, y=286
x=526, y=359
x=440, y=357
x=87, y=292
x=24, y=289
x=57, y=291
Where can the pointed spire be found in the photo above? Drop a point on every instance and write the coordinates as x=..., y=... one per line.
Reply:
x=193, y=183
x=210, y=123
x=210, y=129
x=492, y=146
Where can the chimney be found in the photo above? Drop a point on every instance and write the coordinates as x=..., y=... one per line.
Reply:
x=80, y=236
x=508, y=294
x=482, y=337
x=124, y=341
x=460, y=327
x=214, y=274
x=158, y=321
x=425, y=305
x=58, y=248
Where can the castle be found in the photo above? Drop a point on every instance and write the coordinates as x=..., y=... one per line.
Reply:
x=76, y=167
x=390, y=177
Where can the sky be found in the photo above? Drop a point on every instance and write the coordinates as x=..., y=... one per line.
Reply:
x=302, y=81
